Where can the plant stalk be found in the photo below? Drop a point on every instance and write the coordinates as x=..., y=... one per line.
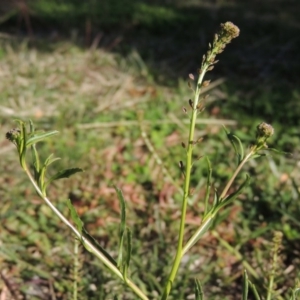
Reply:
x=186, y=190
x=86, y=242
x=236, y=172
x=207, y=221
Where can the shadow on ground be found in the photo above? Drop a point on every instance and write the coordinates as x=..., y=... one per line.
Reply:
x=261, y=66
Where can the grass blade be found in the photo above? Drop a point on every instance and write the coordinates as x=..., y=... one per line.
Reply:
x=253, y=288
x=199, y=295
x=245, y=286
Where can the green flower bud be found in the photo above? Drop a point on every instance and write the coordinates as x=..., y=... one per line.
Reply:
x=263, y=132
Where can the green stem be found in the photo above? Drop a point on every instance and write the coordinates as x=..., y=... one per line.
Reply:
x=207, y=221
x=238, y=169
x=186, y=190
x=270, y=287
x=87, y=243
x=76, y=269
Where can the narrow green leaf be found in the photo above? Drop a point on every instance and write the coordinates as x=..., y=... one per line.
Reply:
x=204, y=227
x=64, y=174
x=123, y=211
x=258, y=155
x=80, y=227
x=36, y=162
x=125, y=271
x=254, y=291
x=208, y=185
x=40, y=137
x=239, y=151
x=74, y=216
x=122, y=226
x=41, y=175
x=31, y=127
x=50, y=159
x=216, y=199
x=129, y=248
x=245, y=286
x=236, y=143
x=98, y=247
x=35, y=155
x=21, y=144
x=278, y=151
x=198, y=290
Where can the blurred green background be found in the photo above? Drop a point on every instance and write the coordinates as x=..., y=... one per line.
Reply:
x=91, y=69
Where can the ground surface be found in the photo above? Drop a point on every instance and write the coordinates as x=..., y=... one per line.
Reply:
x=102, y=98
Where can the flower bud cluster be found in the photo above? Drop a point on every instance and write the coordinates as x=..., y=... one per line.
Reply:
x=227, y=32
x=13, y=135
x=263, y=132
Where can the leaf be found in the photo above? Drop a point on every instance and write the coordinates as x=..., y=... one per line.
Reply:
x=36, y=162
x=50, y=159
x=254, y=291
x=208, y=185
x=128, y=252
x=97, y=246
x=74, y=216
x=216, y=199
x=41, y=174
x=258, y=155
x=245, y=286
x=236, y=143
x=278, y=151
x=204, y=227
x=122, y=227
x=65, y=174
x=198, y=290
x=40, y=137
x=80, y=227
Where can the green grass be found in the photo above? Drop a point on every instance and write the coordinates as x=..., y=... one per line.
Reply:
x=46, y=90
x=68, y=88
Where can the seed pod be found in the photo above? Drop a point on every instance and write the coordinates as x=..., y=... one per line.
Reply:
x=191, y=76
x=191, y=103
x=181, y=165
x=206, y=83
x=183, y=145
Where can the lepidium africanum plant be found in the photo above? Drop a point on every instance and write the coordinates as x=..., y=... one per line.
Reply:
x=25, y=138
